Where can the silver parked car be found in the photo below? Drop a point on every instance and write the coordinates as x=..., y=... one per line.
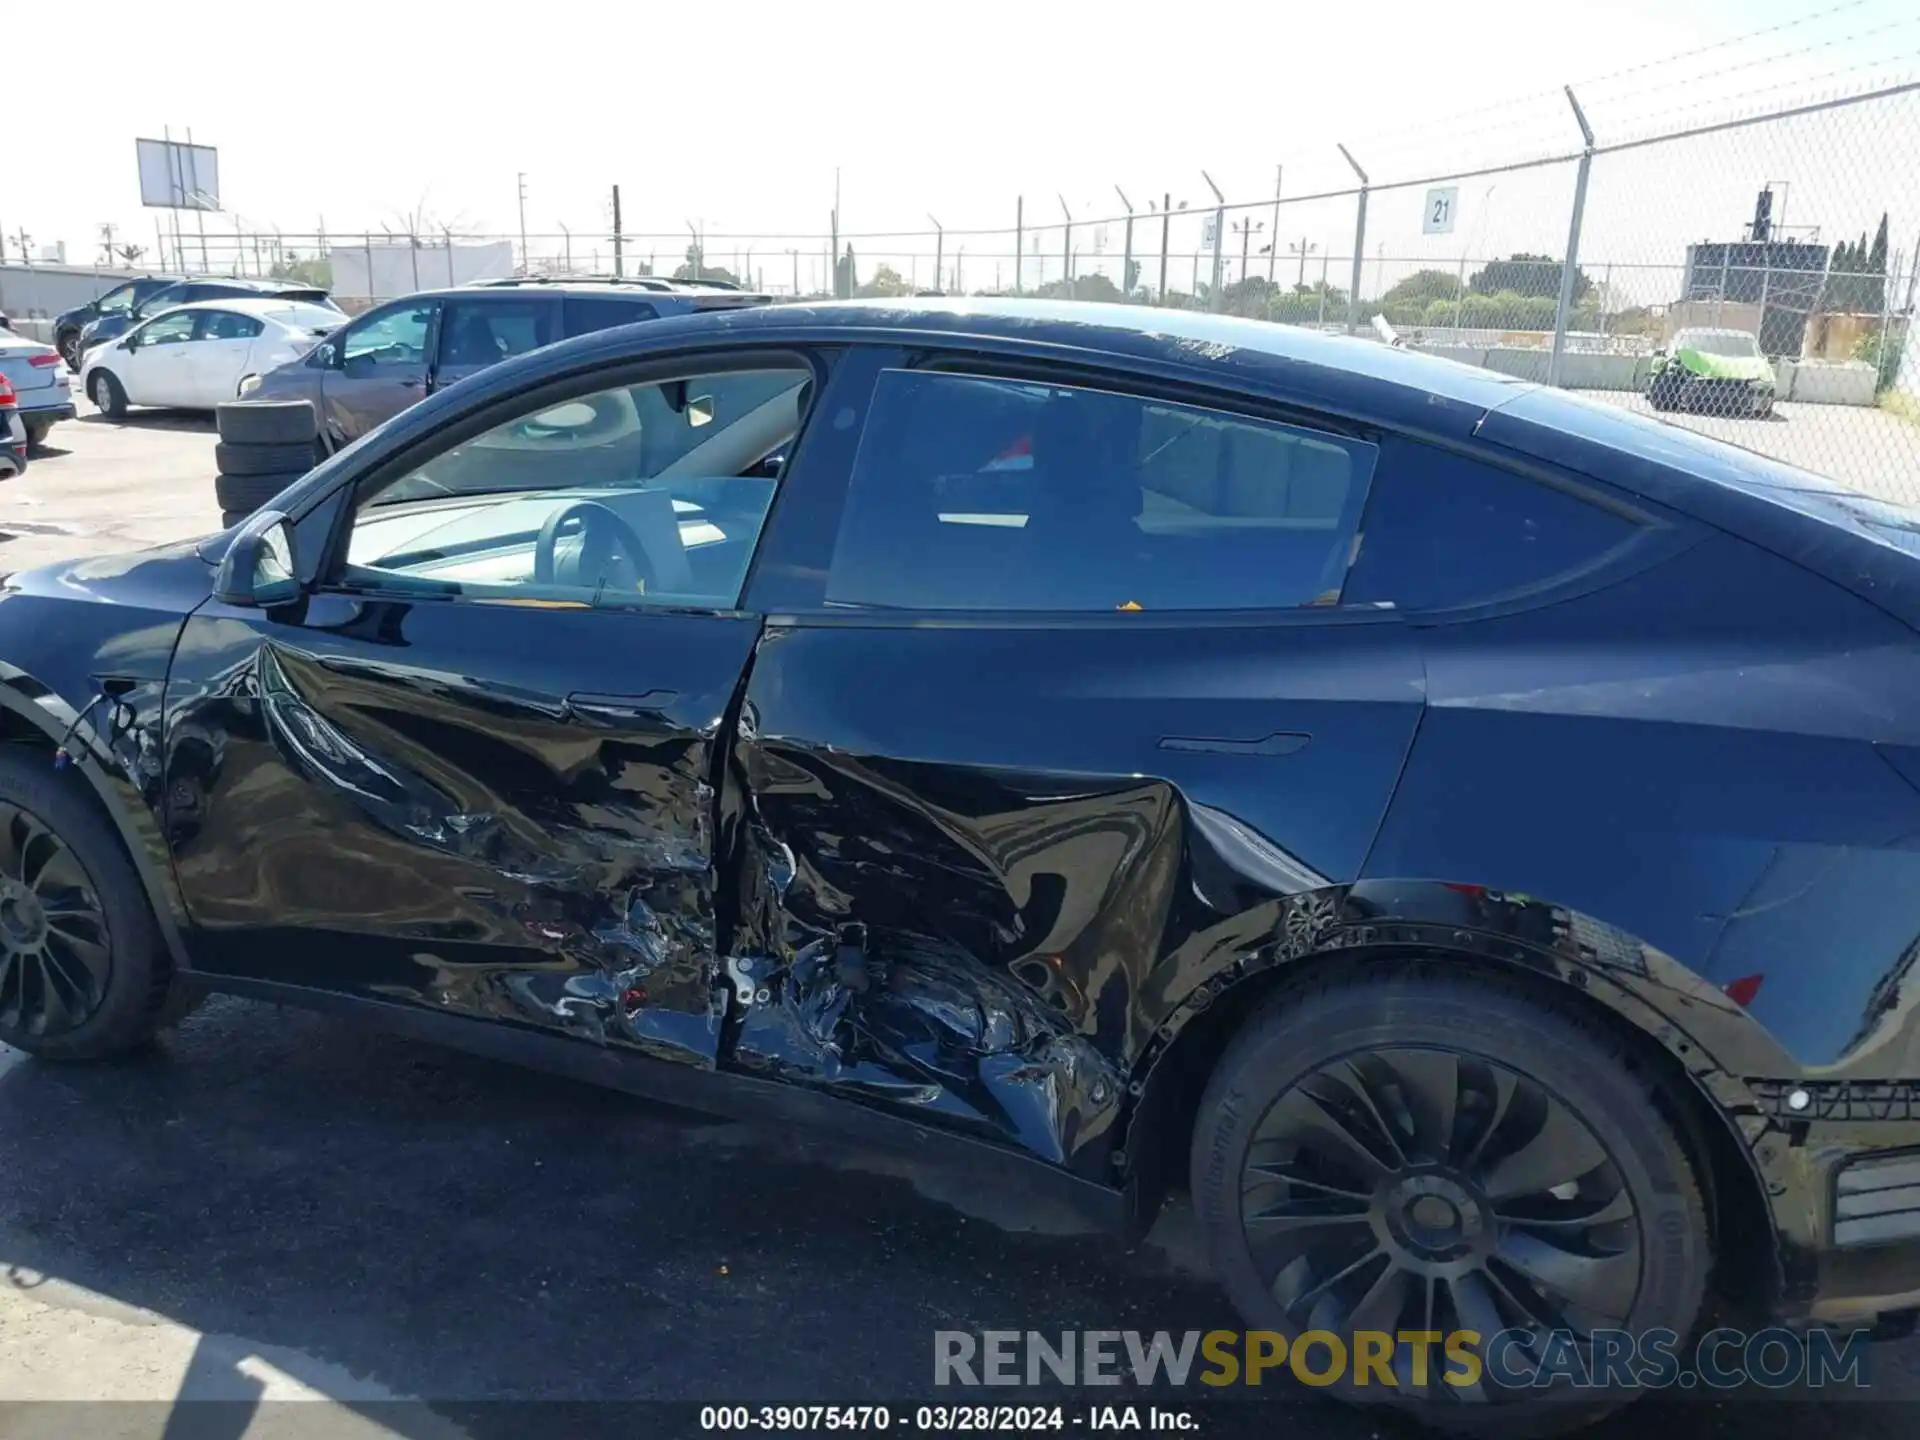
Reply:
x=41, y=386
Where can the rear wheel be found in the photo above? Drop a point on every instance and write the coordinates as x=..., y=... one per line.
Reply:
x=1404, y=1153
x=106, y=394
x=68, y=344
x=37, y=431
x=83, y=970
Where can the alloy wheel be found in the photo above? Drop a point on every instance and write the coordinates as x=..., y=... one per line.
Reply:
x=55, y=954
x=1427, y=1189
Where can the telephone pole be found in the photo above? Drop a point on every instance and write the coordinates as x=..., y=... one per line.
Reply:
x=617, y=267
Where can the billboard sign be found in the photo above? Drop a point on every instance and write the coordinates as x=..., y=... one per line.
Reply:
x=178, y=176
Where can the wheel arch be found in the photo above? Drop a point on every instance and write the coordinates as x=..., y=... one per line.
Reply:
x=35, y=716
x=1655, y=1007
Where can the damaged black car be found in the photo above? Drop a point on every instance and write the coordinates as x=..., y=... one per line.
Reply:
x=1467, y=838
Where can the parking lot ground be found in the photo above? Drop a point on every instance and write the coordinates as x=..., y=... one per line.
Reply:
x=100, y=486
x=1874, y=451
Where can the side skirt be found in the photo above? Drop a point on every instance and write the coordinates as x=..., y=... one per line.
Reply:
x=746, y=1098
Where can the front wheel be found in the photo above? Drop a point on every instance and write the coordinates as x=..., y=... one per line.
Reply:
x=69, y=347
x=1408, y=1153
x=106, y=394
x=83, y=970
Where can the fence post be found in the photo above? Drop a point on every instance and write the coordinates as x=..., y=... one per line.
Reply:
x=1219, y=239
x=1066, y=248
x=1166, y=221
x=1359, y=244
x=1019, y=238
x=1570, y=266
x=617, y=256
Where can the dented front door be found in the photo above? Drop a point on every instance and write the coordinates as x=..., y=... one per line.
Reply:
x=492, y=810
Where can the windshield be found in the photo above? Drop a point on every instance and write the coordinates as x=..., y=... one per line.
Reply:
x=1735, y=343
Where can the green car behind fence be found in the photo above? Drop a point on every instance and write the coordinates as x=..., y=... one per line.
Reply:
x=1719, y=371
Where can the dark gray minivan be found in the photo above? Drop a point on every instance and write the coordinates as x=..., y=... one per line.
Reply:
x=377, y=365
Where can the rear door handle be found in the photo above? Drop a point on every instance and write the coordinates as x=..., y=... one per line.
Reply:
x=1282, y=742
x=592, y=709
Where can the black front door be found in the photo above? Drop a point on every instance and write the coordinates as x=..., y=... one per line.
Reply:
x=475, y=767
x=494, y=810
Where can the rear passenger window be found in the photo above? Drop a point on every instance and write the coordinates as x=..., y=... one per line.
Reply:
x=584, y=316
x=1444, y=530
x=984, y=494
x=485, y=332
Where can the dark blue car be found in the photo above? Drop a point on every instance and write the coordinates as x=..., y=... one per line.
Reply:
x=1468, y=839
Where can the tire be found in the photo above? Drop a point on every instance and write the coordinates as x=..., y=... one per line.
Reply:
x=107, y=396
x=37, y=432
x=238, y=459
x=120, y=997
x=247, y=493
x=68, y=344
x=271, y=422
x=231, y=518
x=1416, y=1189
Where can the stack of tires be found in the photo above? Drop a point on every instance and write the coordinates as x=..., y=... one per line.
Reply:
x=263, y=449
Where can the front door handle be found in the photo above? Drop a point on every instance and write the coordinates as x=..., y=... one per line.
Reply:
x=1282, y=742
x=591, y=709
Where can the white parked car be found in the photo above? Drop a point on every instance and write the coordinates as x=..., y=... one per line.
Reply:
x=194, y=357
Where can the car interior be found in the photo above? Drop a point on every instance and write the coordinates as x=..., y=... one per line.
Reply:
x=1055, y=498
x=653, y=492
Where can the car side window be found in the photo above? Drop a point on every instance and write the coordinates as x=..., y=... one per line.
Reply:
x=636, y=495
x=586, y=314
x=168, y=330
x=396, y=337
x=226, y=325
x=119, y=301
x=484, y=332
x=988, y=494
x=1442, y=530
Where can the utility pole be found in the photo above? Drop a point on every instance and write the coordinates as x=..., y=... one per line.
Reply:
x=939, y=249
x=833, y=247
x=526, y=260
x=697, y=254
x=959, y=271
x=618, y=259
x=794, y=255
x=1273, y=250
x=1019, y=237
x=1126, y=257
x=106, y=240
x=567, y=242
x=26, y=243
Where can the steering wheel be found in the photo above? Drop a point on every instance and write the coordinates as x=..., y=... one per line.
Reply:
x=602, y=533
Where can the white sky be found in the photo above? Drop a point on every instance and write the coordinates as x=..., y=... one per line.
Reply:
x=736, y=115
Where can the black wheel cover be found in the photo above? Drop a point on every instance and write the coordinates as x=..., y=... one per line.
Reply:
x=55, y=952
x=1427, y=1189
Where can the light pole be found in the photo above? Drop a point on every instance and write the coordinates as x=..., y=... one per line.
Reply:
x=1126, y=259
x=1302, y=249
x=959, y=271
x=794, y=255
x=939, y=250
x=568, y=243
x=526, y=260
x=1247, y=228
x=694, y=255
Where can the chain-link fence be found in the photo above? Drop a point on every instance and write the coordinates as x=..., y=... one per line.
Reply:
x=1753, y=278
